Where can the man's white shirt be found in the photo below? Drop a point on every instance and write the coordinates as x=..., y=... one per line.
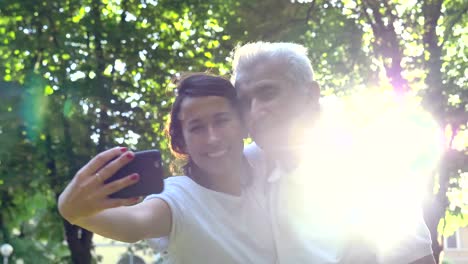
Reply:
x=312, y=224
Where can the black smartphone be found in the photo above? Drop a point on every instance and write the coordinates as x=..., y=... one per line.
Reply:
x=148, y=165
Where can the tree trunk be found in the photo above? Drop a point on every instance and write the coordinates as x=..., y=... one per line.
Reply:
x=386, y=42
x=434, y=101
x=80, y=242
x=101, y=82
x=79, y=239
x=387, y=45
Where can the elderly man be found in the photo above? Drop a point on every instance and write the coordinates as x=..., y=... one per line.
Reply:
x=280, y=98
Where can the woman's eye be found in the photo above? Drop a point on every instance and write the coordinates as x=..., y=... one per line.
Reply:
x=195, y=129
x=222, y=121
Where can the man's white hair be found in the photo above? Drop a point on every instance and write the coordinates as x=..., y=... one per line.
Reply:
x=293, y=58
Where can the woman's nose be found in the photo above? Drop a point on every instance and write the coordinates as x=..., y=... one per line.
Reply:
x=213, y=135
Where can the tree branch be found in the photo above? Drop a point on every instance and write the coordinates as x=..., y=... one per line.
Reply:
x=388, y=12
x=449, y=28
x=367, y=16
x=309, y=11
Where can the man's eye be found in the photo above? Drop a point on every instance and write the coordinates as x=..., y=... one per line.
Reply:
x=244, y=103
x=267, y=94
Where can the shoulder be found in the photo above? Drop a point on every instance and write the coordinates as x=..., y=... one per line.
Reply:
x=177, y=180
x=415, y=246
x=175, y=188
x=261, y=166
x=253, y=153
x=256, y=158
x=429, y=259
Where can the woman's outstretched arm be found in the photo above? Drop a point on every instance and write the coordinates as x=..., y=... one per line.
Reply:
x=85, y=202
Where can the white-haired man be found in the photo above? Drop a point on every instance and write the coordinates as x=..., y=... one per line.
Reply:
x=280, y=97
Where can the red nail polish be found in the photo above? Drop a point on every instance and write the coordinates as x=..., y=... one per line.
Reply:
x=123, y=149
x=130, y=155
x=134, y=177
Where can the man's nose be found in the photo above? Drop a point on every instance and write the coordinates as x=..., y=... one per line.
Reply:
x=257, y=109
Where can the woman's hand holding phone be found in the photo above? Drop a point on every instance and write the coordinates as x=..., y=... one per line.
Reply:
x=88, y=194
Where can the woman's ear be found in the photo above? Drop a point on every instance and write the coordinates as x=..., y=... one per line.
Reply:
x=180, y=147
x=183, y=147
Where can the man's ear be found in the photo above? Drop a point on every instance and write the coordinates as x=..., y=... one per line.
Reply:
x=313, y=96
x=313, y=91
x=245, y=131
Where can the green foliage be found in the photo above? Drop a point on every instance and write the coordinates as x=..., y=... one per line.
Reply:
x=81, y=76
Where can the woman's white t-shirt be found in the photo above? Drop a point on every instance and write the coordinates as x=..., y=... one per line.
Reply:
x=214, y=227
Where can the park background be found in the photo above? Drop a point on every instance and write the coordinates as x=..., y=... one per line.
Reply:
x=81, y=76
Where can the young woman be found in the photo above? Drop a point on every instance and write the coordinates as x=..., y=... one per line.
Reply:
x=216, y=213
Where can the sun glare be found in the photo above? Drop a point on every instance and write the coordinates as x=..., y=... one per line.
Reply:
x=366, y=170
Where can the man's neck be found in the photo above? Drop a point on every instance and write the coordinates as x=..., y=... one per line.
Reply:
x=286, y=158
x=289, y=155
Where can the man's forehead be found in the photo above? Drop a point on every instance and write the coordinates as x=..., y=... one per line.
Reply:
x=268, y=68
x=255, y=80
x=259, y=83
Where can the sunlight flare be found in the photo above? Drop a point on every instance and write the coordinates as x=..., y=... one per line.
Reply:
x=365, y=171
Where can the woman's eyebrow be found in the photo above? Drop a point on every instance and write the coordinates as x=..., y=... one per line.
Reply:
x=194, y=121
x=222, y=114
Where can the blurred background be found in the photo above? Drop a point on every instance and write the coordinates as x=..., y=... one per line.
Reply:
x=80, y=76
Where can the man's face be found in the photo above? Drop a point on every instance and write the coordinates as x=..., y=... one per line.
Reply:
x=271, y=104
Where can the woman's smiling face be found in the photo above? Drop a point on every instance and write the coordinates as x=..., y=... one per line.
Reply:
x=213, y=133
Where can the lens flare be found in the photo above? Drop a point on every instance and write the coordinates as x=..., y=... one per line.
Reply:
x=365, y=171
x=33, y=107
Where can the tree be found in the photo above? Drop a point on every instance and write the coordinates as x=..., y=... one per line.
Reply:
x=78, y=77
x=384, y=18
x=403, y=37
x=91, y=74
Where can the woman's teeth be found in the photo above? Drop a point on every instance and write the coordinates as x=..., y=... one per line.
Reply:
x=217, y=153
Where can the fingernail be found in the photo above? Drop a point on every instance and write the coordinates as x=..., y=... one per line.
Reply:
x=134, y=177
x=130, y=155
x=123, y=149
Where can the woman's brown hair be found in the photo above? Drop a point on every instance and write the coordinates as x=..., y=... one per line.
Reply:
x=194, y=85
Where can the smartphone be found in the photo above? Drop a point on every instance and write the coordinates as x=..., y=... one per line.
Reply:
x=148, y=165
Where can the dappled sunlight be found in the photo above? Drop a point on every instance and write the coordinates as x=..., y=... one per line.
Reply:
x=367, y=166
